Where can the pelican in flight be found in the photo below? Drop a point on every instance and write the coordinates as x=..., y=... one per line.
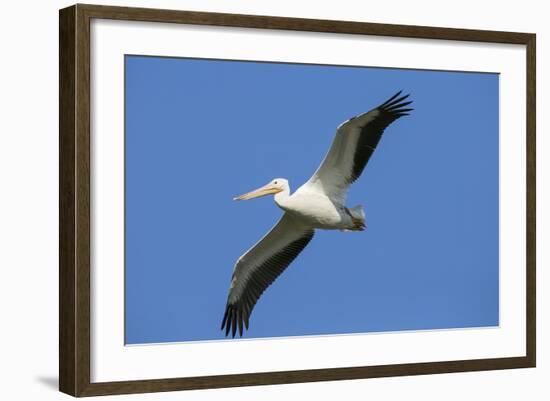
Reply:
x=318, y=204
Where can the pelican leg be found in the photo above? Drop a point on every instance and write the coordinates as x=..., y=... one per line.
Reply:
x=357, y=224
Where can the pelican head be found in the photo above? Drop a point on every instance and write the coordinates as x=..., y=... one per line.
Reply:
x=273, y=187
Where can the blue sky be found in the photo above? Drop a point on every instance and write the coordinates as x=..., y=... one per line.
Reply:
x=199, y=132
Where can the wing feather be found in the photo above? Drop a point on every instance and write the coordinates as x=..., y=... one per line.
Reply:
x=259, y=267
x=353, y=145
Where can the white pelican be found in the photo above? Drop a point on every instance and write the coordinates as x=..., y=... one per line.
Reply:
x=318, y=204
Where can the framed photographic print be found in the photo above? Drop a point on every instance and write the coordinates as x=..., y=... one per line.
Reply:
x=394, y=232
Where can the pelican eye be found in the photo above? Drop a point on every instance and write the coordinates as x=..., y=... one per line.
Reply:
x=275, y=183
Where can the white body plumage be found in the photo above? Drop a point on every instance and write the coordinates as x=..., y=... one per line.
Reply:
x=317, y=210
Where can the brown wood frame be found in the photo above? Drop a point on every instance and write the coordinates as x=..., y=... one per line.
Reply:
x=74, y=199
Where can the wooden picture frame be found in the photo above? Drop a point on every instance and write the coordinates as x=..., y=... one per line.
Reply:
x=74, y=195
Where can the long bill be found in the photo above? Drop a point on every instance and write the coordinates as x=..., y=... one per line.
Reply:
x=262, y=191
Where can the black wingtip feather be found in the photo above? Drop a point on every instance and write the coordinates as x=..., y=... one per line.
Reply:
x=391, y=98
x=396, y=103
x=224, y=318
x=234, y=318
x=397, y=106
x=228, y=321
x=234, y=324
x=240, y=320
x=394, y=108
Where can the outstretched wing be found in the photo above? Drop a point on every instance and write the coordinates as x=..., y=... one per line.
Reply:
x=353, y=145
x=259, y=267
